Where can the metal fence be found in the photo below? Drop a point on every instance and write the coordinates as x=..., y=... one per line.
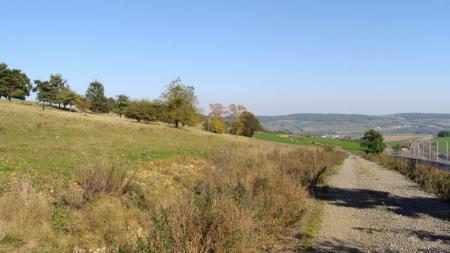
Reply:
x=432, y=150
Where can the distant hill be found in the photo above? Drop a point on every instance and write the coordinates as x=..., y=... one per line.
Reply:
x=355, y=124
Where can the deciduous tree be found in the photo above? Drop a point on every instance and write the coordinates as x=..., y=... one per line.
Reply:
x=249, y=124
x=235, y=114
x=44, y=92
x=121, y=104
x=181, y=103
x=83, y=104
x=373, y=142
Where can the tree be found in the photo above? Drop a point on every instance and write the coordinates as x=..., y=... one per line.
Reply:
x=3, y=78
x=58, y=84
x=373, y=142
x=180, y=101
x=83, y=104
x=235, y=114
x=217, y=110
x=215, y=122
x=96, y=96
x=249, y=124
x=110, y=103
x=141, y=110
x=121, y=104
x=44, y=91
x=444, y=134
x=67, y=97
x=215, y=125
x=13, y=83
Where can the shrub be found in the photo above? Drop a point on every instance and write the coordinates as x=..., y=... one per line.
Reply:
x=215, y=125
x=102, y=178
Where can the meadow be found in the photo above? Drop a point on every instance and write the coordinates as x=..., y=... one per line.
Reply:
x=100, y=183
x=309, y=141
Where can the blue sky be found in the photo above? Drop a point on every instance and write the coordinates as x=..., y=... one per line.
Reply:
x=275, y=57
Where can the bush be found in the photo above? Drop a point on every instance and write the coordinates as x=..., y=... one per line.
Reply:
x=215, y=125
x=102, y=178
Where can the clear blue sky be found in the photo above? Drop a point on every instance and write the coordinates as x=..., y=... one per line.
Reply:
x=275, y=57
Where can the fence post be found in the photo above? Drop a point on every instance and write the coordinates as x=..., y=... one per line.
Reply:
x=423, y=150
x=447, y=151
x=437, y=150
x=431, y=156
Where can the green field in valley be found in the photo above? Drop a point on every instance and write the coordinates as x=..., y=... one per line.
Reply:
x=309, y=141
x=393, y=143
x=443, y=144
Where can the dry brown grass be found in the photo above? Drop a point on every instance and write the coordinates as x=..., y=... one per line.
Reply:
x=91, y=184
x=433, y=180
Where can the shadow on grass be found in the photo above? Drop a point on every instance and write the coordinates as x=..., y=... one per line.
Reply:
x=364, y=198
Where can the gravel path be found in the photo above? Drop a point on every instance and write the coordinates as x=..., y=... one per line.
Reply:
x=373, y=209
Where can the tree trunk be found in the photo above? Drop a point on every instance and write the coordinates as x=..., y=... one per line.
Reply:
x=43, y=105
x=9, y=98
x=70, y=108
x=177, y=123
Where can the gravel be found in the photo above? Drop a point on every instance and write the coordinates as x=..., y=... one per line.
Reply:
x=373, y=209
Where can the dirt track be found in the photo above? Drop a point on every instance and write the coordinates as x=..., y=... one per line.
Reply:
x=373, y=209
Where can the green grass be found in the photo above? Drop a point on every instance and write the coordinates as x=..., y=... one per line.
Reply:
x=104, y=184
x=443, y=144
x=309, y=141
x=53, y=142
x=393, y=143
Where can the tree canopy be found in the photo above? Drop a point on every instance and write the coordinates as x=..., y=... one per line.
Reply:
x=443, y=134
x=13, y=83
x=249, y=124
x=120, y=105
x=96, y=96
x=181, y=103
x=373, y=142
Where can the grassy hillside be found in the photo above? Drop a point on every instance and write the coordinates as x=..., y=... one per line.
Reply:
x=104, y=184
x=309, y=141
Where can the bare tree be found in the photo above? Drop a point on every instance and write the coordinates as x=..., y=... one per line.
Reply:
x=217, y=110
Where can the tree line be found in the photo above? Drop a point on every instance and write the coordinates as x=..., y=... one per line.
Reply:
x=177, y=105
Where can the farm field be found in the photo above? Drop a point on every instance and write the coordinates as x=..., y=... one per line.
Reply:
x=403, y=137
x=443, y=144
x=101, y=183
x=308, y=141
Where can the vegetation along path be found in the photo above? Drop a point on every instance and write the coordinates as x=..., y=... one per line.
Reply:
x=373, y=209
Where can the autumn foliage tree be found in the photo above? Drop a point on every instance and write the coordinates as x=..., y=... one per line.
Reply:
x=215, y=122
x=83, y=104
x=249, y=124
